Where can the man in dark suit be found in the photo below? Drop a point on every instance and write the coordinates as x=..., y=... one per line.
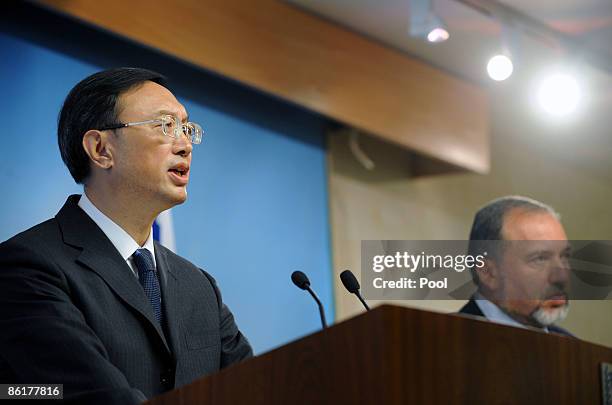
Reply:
x=88, y=299
x=525, y=279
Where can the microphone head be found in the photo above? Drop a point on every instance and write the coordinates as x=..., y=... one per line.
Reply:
x=349, y=281
x=300, y=280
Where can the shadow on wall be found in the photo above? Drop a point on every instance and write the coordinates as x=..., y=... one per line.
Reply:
x=390, y=162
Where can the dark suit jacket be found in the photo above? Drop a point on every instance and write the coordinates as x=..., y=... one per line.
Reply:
x=471, y=308
x=72, y=312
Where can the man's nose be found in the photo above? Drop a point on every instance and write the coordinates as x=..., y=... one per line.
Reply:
x=182, y=146
x=560, y=271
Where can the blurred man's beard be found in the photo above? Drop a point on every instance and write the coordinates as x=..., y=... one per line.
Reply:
x=549, y=316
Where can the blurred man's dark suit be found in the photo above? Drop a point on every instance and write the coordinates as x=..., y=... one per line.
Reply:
x=72, y=312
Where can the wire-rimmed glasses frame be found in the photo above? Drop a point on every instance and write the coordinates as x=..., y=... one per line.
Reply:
x=171, y=126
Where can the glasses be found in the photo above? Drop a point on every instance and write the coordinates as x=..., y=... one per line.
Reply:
x=170, y=125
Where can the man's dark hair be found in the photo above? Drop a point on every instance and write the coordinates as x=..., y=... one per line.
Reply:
x=489, y=221
x=92, y=104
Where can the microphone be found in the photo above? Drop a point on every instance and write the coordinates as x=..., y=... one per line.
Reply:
x=352, y=285
x=301, y=281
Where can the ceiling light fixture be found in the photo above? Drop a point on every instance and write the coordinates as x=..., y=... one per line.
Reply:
x=501, y=65
x=425, y=24
x=559, y=94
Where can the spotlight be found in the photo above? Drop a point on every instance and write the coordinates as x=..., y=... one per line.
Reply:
x=425, y=24
x=500, y=67
x=559, y=94
x=438, y=34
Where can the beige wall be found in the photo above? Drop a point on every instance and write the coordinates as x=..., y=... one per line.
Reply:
x=387, y=203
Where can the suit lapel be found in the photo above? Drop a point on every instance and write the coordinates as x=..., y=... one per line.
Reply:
x=99, y=254
x=170, y=295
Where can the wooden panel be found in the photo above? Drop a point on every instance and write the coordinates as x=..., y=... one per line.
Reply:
x=277, y=48
x=395, y=355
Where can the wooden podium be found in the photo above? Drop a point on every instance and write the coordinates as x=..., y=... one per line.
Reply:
x=395, y=355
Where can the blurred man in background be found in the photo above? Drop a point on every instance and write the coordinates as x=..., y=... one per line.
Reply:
x=525, y=280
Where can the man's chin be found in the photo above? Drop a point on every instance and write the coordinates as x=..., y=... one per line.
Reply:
x=547, y=315
x=182, y=197
x=178, y=195
x=171, y=199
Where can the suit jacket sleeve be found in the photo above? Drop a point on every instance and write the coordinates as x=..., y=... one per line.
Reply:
x=45, y=339
x=234, y=345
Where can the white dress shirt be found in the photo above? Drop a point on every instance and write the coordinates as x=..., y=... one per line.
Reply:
x=123, y=242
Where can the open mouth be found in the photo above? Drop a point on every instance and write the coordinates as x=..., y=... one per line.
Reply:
x=179, y=172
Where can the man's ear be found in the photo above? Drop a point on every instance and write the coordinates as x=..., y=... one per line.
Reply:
x=96, y=145
x=489, y=275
